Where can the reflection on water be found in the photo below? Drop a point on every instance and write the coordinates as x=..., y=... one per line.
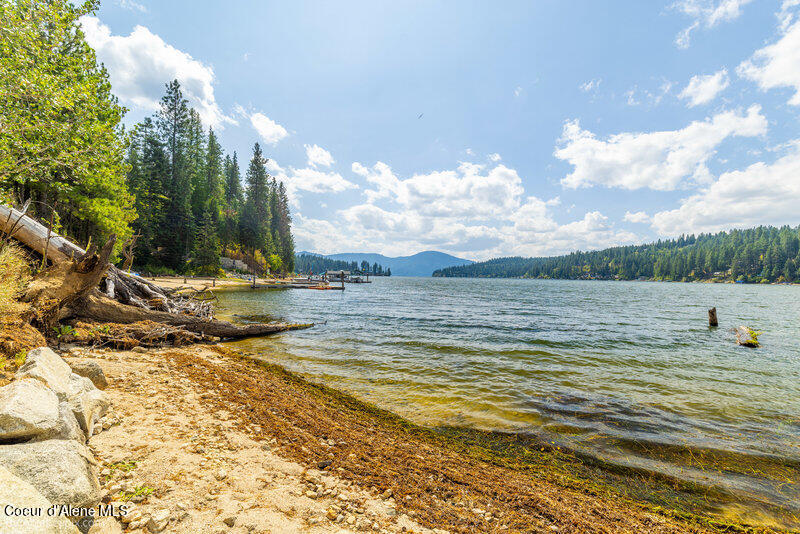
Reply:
x=628, y=372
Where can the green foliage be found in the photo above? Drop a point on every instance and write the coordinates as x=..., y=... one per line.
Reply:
x=275, y=264
x=63, y=331
x=190, y=197
x=141, y=491
x=763, y=254
x=207, y=250
x=125, y=467
x=20, y=357
x=61, y=138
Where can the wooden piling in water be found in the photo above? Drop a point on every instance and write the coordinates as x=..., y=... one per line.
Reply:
x=712, y=317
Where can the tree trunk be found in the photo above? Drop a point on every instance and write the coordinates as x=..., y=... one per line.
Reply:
x=65, y=283
x=98, y=307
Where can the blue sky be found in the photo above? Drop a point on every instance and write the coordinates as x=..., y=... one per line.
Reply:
x=545, y=126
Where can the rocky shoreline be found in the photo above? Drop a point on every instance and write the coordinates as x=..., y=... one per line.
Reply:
x=47, y=415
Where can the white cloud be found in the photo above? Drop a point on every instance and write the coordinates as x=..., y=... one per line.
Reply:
x=463, y=192
x=760, y=194
x=495, y=157
x=786, y=14
x=308, y=179
x=318, y=156
x=518, y=91
x=777, y=65
x=270, y=131
x=708, y=13
x=662, y=160
x=591, y=85
x=636, y=217
x=475, y=210
x=141, y=63
x=702, y=89
x=131, y=5
x=635, y=96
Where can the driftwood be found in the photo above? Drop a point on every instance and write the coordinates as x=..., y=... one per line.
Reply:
x=71, y=288
x=98, y=307
x=64, y=284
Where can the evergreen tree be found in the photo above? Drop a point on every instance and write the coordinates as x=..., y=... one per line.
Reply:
x=173, y=122
x=61, y=138
x=206, y=247
x=255, y=222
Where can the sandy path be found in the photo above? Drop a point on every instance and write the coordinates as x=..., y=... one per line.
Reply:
x=205, y=475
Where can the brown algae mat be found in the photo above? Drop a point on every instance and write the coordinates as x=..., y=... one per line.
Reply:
x=452, y=479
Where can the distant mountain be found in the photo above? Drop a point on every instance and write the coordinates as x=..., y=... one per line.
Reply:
x=420, y=264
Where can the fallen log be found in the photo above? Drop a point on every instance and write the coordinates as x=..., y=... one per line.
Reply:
x=71, y=289
x=119, y=285
x=98, y=307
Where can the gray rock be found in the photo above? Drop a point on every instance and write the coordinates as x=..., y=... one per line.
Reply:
x=70, y=429
x=19, y=494
x=158, y=521
x=88, y=403
x=61, y=470
x=28, y=409
x=92, y=371
x=106, y=525
x=45, y=365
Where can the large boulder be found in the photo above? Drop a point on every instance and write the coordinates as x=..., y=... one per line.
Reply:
x=92, y=371
x=88, y=403
x=45, y=365
x=28, y=409
x=61, y=470
x=16, y=496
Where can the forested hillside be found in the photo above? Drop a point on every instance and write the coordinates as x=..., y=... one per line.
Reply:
x=763, y=254
x=314, y=263
x=167, y=185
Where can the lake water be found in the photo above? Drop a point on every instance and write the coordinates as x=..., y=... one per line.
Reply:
x=626, y=371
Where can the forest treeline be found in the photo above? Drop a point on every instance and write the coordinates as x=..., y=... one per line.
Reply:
x=167, y=183
x=314, y=263
x=190, y=199
x=757, y=255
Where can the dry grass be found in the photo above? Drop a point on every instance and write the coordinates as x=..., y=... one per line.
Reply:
x=14, y=275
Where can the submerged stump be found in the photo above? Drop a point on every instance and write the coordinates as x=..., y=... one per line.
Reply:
x=712, y=317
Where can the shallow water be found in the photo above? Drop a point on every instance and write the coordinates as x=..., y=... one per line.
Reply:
x=626, y=371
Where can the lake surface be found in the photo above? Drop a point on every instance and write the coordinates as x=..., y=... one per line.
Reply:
x=626, y=371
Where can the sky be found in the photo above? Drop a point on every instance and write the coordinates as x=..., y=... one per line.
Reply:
x=486, y=129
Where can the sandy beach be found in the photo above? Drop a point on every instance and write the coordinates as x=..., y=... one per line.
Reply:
x=208, y=441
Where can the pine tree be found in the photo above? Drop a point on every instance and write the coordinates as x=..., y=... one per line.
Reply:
x=214, y=186
x=173, y=124
x=255, y=225
x=229, y=231
x=61, y=137
x=284, y=226
x=206, y=247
